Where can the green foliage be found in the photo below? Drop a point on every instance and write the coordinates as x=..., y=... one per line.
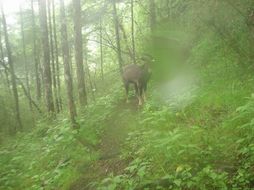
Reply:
x=205, y=144
x=50, y=155
x=42, y=157
x=198, y=137
x=166, y=154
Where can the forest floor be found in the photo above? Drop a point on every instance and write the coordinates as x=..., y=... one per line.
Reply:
x=112, y=138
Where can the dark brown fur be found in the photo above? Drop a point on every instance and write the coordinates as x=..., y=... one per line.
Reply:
x=139, y=76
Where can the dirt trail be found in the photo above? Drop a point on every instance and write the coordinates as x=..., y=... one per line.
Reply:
x=110, y=146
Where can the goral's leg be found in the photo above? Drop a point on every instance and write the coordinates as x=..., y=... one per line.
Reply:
x=139, y=94
x=127, y=91
x=144, y=93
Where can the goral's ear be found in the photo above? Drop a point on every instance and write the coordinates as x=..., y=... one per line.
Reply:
x=143, y=65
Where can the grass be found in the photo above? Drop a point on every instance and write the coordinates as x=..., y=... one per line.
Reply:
x=206, y=143
x=42, y=157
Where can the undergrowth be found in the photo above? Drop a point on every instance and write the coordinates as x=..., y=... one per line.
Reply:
x=51, y=155
x=206, y=144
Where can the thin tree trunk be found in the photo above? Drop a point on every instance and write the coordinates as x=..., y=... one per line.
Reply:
x=169, y=8
x=2, y=58
x=132, y=33
x=116, y=23
x=36, y=56
x=3, y=78
x=79, y=53
x=67, y=71
x=53, y=58
x=6, y=77
x=152, y=15
x=126, y=41
x=25, y=58
x=12, y=71
x=57, y=59
x=90, y=80
x=101, y=52
x=46, y=57
x=24, y=89
x=94, y=77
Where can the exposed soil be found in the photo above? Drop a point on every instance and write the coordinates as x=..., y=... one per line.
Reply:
x=110, y=147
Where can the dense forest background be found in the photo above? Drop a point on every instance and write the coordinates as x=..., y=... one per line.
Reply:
x=64, y=121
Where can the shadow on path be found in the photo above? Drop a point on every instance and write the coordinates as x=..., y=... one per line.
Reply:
x=114, y=134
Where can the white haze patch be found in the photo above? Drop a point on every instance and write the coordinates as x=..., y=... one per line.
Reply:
x=179, y=91
x=12, y=6
x=92, y=67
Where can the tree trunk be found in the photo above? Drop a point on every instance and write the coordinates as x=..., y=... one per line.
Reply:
x=46, y=57
x=87, y=70
x=152, y=15
x=7, y=81
x=25, y=58
x=169, y=9
x=24, y=89
x=126, y=40
x=57, y=60
x=53, y=58
x=67, y=71
x=36, y=56
x=132, y=33
x=79, y=53
x=116, y=23
x=12, y=71
x=101, y=52
x=90, y=80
